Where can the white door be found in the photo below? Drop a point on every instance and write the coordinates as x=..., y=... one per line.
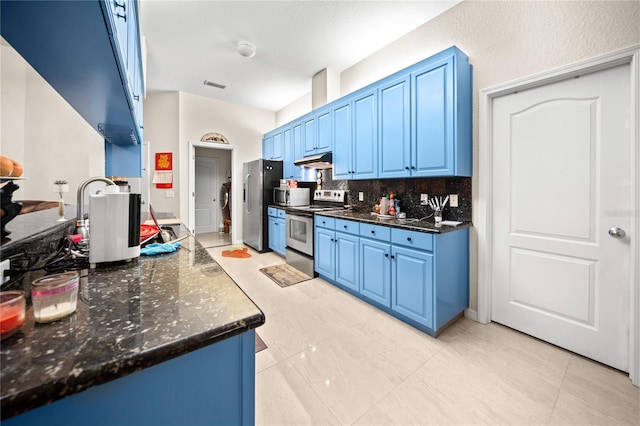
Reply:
x=206, y=191
x=561, y=165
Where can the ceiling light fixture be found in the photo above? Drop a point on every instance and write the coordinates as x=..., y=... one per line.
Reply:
x=246, y=49
x=212, y=84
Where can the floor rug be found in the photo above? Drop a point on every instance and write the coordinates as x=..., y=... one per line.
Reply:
x=260, y=344
x=239, y=252
x=285, y=275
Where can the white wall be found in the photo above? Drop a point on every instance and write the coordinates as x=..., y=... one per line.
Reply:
x=173, y=119
x=161, y=131
x=40, y=130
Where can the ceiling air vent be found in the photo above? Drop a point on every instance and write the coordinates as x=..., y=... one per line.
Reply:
x=212, y=84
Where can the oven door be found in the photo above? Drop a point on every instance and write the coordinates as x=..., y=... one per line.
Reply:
x=300, y=233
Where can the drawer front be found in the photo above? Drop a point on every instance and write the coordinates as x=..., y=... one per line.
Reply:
x=416, y=240
x=348, y=226
x=377, y=232
x=281, y=213
x=272, y=211
x=325, y=222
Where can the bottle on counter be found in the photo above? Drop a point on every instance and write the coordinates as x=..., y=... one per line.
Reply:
x=392, y=204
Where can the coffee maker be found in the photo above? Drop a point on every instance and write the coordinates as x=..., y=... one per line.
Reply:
x=114, y=225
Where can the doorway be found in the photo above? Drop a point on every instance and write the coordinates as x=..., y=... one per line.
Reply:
x=211, y=172
x=559, y=166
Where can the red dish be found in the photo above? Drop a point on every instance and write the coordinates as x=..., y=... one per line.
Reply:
x=12, y=312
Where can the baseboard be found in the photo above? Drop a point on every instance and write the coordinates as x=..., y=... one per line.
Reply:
x=472, y=314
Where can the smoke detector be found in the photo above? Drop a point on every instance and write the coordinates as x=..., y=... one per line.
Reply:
x=246, y=49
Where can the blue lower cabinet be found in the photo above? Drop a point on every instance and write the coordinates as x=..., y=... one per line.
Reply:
x=375, y=271
x=412, y=284
x=346, y=262
x=211, y=385
x=325, y=253
x=420, y=278
x=277, y=230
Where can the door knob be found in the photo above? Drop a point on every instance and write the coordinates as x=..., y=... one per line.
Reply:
x=617, y=232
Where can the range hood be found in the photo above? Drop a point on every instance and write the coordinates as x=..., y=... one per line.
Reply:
x=320, y=161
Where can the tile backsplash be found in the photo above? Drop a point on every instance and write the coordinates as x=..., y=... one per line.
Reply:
x=408, y=191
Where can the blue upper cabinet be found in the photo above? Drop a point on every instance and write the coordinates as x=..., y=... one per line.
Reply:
x=89, y=52
x=394, y=123
x=441, y=116
x=355, y=138
x=342, y=141
x=323, y=139
x=414, y=123
x=317, y=132
x=273, y=146
x=365, y=136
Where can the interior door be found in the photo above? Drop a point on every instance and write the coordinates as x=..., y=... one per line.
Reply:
x=206, y=207
x=561, y=164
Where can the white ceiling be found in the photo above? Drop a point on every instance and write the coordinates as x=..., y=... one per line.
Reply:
x=192, y=41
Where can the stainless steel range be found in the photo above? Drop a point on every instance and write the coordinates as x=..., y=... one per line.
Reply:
x=299, y=222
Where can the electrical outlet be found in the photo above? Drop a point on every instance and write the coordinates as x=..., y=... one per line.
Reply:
x=453, y=200
x=4, y=266
x=360, y=196
x=424, y=199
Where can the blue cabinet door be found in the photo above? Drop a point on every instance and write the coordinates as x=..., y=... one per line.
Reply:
x=324, y=255
x=267, y=147
x=365, y=136
x=274, y=239
x=375, y=271
x=394, y=122
x=433, y=120
x=342, y=142
x=412, y=284
x=347, y=249
x=288, y=169
x=323, y=140
x=282, y=236
x=298, y=148
x=278, y=147
x=309, y=135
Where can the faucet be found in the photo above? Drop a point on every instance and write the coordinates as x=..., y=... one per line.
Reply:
x=81, y=227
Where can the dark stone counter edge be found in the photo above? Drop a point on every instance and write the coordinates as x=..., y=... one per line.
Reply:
x=427, y=227
x=21, y=402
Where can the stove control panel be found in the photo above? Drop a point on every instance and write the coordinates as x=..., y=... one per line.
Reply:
x=332, y=195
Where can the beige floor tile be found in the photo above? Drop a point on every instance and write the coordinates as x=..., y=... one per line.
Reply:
x=214, y=239
x=284, y=398
x=595, y=394
x=344, y=379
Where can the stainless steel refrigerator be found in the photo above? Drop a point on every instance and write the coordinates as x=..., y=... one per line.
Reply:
x=259, y=177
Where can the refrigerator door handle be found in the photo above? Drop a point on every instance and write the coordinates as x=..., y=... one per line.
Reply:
x=247, y=192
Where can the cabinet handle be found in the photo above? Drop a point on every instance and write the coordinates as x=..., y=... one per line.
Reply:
x=373, y=232
x=123, y=5
x=136, y=97
x=345, y=227
x=393, y=257
x=324, y=223
x=122, y=16
x=406, y=168
x=386, y=255
x=413, y=167
x=409, y=239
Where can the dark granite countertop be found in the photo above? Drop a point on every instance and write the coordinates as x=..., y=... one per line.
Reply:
x=427, y=225
x=129, y=317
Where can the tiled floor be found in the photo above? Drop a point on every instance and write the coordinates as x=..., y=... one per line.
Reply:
x=214, y=239
x=333, y=359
